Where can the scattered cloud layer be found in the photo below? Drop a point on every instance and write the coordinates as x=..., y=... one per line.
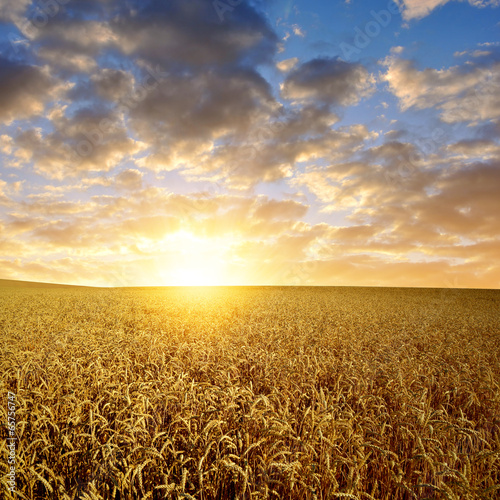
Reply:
x=150, y=142
x=461, y=93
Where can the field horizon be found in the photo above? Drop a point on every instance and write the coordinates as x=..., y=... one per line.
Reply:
x=7, y=283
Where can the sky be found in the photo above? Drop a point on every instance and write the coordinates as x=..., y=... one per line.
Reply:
x=250, y=142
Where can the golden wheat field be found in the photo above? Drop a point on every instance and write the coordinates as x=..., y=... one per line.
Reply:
x=252, y=393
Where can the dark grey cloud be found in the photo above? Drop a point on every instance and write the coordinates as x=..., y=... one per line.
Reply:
x=206, y=87
x=25, y=89
x=191, y=33
x=174, y=34
x=113, y=84
x=185, y=115
x=330, y=81
x=308, y=120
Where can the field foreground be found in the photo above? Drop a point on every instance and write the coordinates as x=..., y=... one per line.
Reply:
x=252, y=393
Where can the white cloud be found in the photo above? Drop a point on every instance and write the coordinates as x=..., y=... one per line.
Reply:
x=287, y=64
x=461, y=93
x=298, y=31
x=417, y=9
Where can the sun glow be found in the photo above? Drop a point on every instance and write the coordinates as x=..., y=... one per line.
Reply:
x=198, y=274
x=195, y=261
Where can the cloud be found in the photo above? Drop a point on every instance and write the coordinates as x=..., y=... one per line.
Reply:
x=273, y=209
x=465, y=202
x=3, y=198
x=461, y=93
x=13, y=10
x=72, y=44
x=174, y=32
x=49, y=204
x=273, y=154
x=298, y=31
x=64, y=58
x=25, y=90
x=266, y=237
x=377, y=271
x=475, y=148
x=113, y=84
x=437, y=202
x=142, y=222
x=6, y=144
x=417, y=9
x=308, y=120
x=130, y=179
x=328, y=81
x=152, y=227
x=169, y=34
x=473, y=53
x=90, y=140
x=399, y=49
x=287, y=64
x=226, y=105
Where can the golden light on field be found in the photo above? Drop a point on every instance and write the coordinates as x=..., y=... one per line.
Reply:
x=155, y=143
x=385, y=393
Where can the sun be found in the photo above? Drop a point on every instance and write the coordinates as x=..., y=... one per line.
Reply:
x=194, y=261
x=196, y=275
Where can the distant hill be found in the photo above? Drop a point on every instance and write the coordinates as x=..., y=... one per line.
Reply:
x=34, y=284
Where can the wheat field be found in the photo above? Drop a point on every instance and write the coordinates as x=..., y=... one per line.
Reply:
x=252, y=393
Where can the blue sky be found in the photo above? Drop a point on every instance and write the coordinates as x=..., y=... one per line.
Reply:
x=250, y=142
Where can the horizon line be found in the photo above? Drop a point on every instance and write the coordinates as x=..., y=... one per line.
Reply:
x=53, y=284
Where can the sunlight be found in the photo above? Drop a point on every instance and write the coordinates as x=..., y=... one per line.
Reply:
x=197, y=262
x=196, y=275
